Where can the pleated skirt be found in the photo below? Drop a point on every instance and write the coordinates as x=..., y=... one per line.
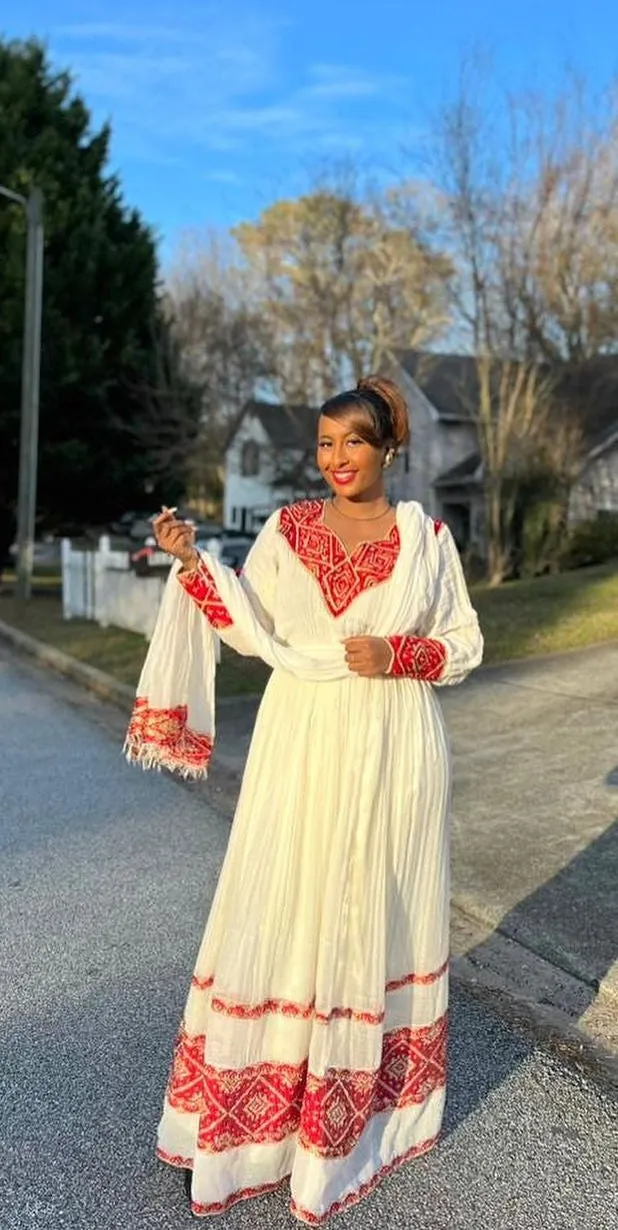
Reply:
x=312, y=1048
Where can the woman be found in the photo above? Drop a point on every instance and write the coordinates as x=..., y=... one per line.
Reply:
x=313, y=1041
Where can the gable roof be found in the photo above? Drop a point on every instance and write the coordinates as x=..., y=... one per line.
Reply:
x=461, y=475
x=589, y=391
x=449, y=382
x=285, y=426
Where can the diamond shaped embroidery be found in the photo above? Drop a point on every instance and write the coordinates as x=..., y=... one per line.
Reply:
x=341, y=576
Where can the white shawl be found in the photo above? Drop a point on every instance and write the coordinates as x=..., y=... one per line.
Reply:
x=173, y=720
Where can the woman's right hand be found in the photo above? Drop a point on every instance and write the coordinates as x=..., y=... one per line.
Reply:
x=175, y=537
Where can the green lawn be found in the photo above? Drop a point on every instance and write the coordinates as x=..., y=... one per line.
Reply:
x=549, y=614
x=119, y=653
x=520, y=619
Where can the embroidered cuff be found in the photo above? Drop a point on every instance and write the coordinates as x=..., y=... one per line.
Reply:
x=200, y=585
x=417, y=657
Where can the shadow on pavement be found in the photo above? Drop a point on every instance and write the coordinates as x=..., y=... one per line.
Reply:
x=572, y=922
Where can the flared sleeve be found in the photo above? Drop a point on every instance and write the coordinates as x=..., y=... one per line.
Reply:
x=258, y=580
x=451, y=644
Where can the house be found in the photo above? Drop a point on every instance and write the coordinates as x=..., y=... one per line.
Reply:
x=270, y=458
x=594, y=392
x=446, y=471
x=268, y=463
x=596, y=492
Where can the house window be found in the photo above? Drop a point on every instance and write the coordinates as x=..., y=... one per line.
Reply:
x=250, y=459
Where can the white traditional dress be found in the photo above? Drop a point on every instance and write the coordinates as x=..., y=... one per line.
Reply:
x=313, y=1044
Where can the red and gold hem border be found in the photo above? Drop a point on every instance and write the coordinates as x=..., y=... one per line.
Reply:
x=313, y=1219
x=245, y=1193
x=174, y=1159
x=266, y=1102
x=297, y=1211
x=290, y=1008
x=162, y=739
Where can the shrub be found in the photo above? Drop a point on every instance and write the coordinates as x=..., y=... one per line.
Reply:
x=592, y=542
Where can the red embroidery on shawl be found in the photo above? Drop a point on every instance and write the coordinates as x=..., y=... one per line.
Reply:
x=266, y=1102
x=163, y=735
x=200, y=585
x=437, y=525
x=290, y=1008
x=314, y=1219
x=417, y=657
x=341, y=576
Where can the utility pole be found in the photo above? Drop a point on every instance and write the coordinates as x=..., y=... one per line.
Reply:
x=30, y=382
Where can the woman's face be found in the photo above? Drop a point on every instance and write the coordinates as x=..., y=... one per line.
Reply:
x=351, y=466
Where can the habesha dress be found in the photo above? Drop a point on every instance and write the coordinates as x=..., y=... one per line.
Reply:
x=313, y=1043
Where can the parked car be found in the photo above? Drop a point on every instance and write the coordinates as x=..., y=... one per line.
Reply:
x=46, y=553
x=232, y=550
x=148, y=558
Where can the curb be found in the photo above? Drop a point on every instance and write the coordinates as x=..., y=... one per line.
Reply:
x=551, y=1027
x=90, y=677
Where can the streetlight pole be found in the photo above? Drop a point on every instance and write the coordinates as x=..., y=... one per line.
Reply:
x=30, y=382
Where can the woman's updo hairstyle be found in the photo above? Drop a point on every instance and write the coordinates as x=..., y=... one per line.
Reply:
x=383, y=418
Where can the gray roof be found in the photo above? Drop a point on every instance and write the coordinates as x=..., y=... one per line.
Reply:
x=592, y=392
x=449, y=381
x=460, y=475
x=286, y=426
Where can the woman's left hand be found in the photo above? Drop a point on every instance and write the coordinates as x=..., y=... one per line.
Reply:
x=368, y=655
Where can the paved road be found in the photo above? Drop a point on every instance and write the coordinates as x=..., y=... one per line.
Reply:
x=105, y=878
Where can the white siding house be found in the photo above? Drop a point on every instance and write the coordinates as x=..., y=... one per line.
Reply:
x=270, y=460
x=268, y=463
x=596, y=493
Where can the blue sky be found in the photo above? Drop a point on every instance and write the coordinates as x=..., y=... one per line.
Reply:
x=219, y=108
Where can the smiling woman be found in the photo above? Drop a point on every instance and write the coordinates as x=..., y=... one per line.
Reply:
x=313, y=1043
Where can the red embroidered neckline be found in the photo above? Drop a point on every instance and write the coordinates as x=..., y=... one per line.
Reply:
x=341, y=575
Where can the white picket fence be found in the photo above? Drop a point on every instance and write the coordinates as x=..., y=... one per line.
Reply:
x=101, y=585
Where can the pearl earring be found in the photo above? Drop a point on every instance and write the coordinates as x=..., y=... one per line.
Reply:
x=389, y=457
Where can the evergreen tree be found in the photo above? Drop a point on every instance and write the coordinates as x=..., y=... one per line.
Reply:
x=103, y=327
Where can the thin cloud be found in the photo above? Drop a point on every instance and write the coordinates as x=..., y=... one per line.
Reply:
x=174, y=88
x=229, y=178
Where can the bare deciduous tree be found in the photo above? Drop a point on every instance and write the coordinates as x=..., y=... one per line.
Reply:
x=345, y=279
x=224, y=344
x=532, y=231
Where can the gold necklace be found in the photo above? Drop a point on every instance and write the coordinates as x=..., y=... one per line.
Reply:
x=376, y=516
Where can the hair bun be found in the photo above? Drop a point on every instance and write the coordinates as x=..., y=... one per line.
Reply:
x=393, y=397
